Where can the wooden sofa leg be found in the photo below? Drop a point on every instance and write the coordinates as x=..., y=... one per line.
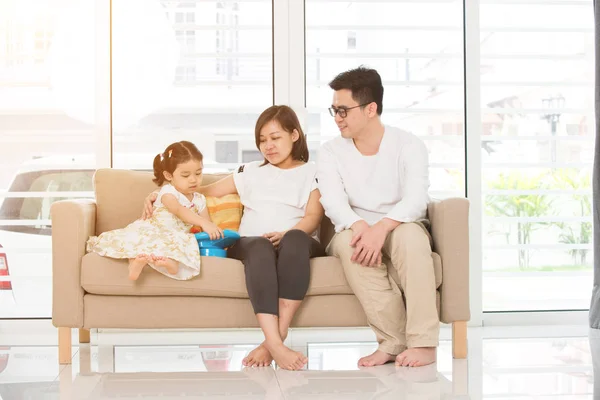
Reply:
x=84, y=336
x=64, y=345
x=459, y=339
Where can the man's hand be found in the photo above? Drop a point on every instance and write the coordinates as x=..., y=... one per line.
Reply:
x=147, y=211
x=358, y=228
x=368, y=244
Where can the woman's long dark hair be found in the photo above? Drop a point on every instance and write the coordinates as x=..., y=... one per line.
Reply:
x=287, y=118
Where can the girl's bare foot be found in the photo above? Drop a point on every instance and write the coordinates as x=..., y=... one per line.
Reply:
x=377, y=358
x=136, y=265
x=172, y=266
x=285, y=357
x=259, y=357
x=416, y=357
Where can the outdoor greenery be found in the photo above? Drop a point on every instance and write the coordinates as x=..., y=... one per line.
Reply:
x=529, y=205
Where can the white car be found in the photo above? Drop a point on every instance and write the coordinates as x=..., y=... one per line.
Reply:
x=25, y=244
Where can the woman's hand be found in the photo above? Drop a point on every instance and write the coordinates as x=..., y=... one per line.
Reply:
x=148, y=202
x=274, y=237
x=214, y=232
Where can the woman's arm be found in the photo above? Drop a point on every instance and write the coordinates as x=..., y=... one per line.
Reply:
x=313, y=214
x=148, y=202
x=219, y=188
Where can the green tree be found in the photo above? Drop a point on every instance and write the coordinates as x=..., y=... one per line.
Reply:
x=576, y=180
x=526, y=205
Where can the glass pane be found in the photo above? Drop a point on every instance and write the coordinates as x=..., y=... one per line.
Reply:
x=537, y=70
x=47, y=126
x=419, y=55
x=179, y=76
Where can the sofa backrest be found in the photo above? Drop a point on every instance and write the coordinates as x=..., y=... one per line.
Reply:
x=120, y=197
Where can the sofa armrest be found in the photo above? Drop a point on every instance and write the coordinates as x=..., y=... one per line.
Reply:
x=73, y=222
x=450, y=232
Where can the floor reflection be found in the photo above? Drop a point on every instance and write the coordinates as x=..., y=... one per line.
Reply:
x=386, y=382
x=558, y=368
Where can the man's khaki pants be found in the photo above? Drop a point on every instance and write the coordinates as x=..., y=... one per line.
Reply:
x=398, y=296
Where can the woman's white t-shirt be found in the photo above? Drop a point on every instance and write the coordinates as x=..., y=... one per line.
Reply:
x=274, y=199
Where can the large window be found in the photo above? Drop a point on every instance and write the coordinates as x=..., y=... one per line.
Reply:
x=537, y=101
x=419, y=55
x=189, y=70
x=46, y=148
x=73, y=100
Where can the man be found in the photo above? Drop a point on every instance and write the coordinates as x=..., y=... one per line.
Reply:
x=374, y=182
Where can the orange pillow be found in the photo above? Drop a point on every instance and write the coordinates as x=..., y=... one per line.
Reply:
x=225, y=212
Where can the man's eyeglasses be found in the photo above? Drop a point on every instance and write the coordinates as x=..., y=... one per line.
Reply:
x=343, y=111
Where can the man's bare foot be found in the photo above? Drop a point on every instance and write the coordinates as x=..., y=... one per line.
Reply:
x=417, y=357
x=424, y=374
x=259, y=357
x=172, y=266
x=285, y=357
x=377, y=358
x=136, y=265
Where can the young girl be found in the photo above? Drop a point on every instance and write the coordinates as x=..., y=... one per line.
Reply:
x=281, y=215
x=164, y=241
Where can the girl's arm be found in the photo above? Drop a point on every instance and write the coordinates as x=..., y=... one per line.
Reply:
x=219, y=188
x=313, y=214
x=190, y=217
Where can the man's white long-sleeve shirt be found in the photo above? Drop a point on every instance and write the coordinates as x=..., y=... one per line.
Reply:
x=391, y=184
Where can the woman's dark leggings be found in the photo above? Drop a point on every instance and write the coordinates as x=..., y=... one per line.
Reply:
x=274, y=273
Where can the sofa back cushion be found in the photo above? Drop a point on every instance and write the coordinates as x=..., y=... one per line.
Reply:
x=120, y=197
x=225, y=212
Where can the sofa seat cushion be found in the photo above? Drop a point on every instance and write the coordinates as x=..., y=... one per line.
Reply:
x=219, y=277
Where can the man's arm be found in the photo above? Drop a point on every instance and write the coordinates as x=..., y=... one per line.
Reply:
x=333, y=195
x=410, y=209
x=416, y=186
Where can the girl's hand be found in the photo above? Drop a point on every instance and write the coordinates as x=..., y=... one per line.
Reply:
x=214, y=232
x=147, y=211
x=274, y=237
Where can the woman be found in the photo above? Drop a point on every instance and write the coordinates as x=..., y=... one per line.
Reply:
x=282, y=213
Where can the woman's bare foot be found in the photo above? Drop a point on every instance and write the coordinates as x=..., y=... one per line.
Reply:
x=136, y=265
x=283, y=334
x=261, y=376
x=377, y=358
x=290, y=379
x=259, y=357
x=285, y=357
x=416, y=357
x=172, y=266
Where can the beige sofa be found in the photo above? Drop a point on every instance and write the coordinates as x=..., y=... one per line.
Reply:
x=90, y=291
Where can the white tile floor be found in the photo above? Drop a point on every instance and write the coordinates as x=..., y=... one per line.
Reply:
x=547, y=362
